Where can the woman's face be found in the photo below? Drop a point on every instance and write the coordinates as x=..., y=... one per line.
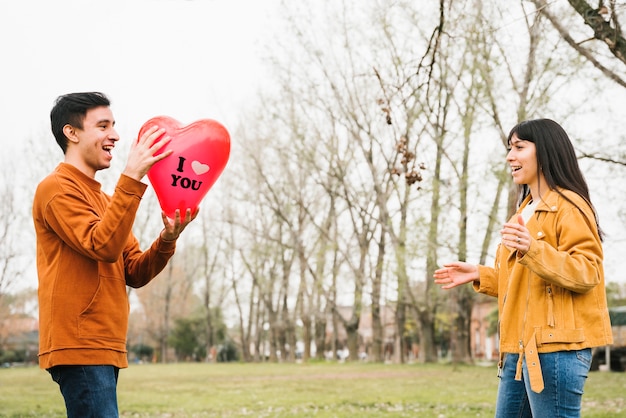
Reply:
x=522, y=158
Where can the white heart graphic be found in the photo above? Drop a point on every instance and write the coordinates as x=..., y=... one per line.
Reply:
x=199, y=168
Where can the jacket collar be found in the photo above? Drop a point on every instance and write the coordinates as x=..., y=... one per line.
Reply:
x=549, y=201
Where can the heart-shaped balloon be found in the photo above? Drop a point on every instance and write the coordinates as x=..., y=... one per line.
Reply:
x=200, y=152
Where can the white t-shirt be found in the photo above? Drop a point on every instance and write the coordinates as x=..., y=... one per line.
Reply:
x=528, y=210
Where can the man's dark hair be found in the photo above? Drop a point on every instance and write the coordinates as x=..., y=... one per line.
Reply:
x=70, y=109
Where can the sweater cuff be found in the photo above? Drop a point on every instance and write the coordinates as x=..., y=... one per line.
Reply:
x=131, y=186
x=165, y=246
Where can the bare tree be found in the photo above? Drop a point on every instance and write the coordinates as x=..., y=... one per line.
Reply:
x=11, y=223
x=165, y=298
x=604, y=22
x=213, y=292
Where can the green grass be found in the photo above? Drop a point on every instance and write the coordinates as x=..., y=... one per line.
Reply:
x=297, y=390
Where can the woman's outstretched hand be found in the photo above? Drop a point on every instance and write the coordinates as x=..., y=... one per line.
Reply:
x=455, y=274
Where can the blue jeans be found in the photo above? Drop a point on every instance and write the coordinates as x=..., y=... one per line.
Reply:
x=564, y=376
x=89, y=391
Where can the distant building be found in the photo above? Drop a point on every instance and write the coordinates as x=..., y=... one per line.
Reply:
x=618, y=325
x=484, y=343
x=19, y=339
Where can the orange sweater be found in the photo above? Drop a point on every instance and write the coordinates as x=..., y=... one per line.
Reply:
x=86, y=256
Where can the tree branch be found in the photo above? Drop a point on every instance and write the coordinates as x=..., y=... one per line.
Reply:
x=602, y=158
x=602, y=29
x=542, y=7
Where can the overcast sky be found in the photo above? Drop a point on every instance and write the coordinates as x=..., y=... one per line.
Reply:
x=188, y=59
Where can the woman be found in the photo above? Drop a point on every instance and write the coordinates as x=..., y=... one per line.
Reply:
x=548, y=278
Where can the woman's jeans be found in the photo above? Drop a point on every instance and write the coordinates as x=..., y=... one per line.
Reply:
x=89, y=391
x=564, y=376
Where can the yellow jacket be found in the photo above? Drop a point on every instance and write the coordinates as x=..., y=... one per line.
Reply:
x=553, y=297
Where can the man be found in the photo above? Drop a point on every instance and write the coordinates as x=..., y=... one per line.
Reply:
x=87, y=253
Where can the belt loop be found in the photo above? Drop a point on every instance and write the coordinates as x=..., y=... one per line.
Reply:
x=537, y=335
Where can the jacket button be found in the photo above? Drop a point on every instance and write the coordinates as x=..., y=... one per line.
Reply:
x=539, y=233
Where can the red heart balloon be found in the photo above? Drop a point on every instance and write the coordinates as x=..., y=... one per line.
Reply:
x=200, y=152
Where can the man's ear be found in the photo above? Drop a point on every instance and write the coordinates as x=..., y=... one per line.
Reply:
x=70, y=133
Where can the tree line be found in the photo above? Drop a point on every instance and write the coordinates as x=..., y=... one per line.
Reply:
x=375, y=152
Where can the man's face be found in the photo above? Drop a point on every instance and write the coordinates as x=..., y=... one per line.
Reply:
x=96, y=139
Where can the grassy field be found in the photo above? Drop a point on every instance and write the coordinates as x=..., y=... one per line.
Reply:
x=297, y=390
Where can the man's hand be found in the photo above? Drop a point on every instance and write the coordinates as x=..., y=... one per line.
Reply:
x=173, y=228
x=141, y=156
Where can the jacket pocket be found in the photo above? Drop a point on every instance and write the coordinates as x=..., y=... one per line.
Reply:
x=106, y=316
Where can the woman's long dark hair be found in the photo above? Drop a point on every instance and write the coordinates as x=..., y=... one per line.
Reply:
x=556, y=159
